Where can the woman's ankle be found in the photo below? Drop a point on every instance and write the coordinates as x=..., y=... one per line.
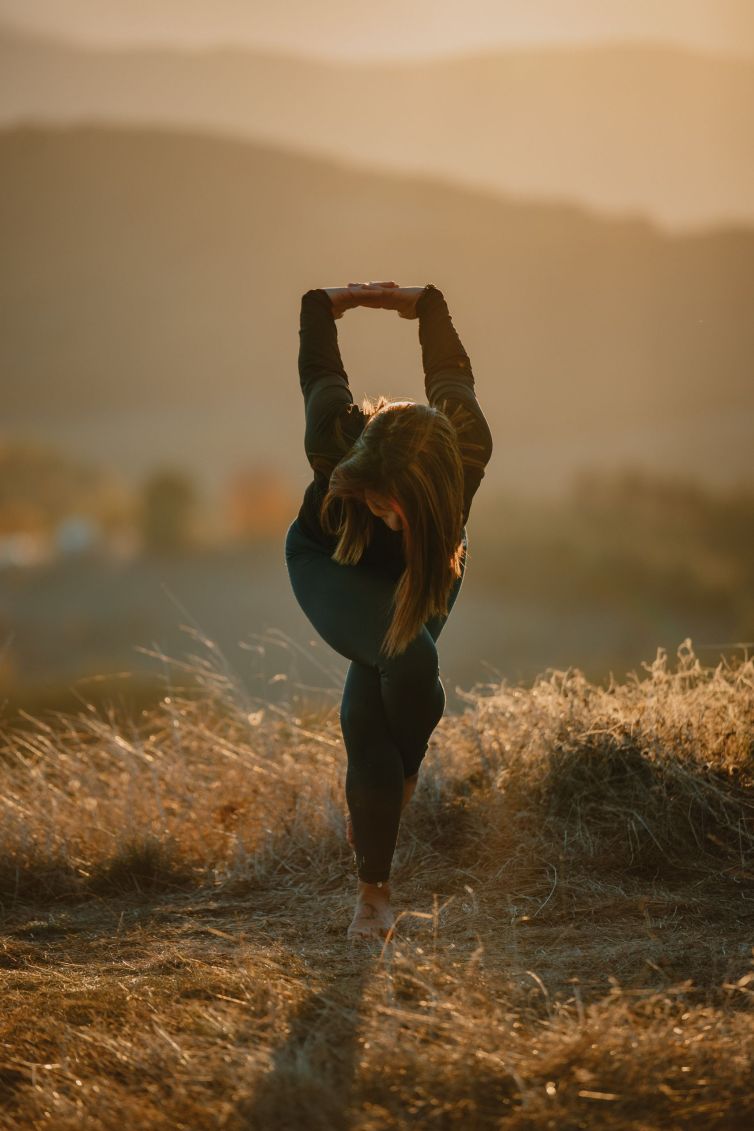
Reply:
x=409, y=788
x=379, y=890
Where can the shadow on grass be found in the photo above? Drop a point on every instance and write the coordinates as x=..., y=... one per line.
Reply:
x=311, y=1077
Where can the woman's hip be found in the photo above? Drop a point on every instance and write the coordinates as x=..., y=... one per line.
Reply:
x=297, y=541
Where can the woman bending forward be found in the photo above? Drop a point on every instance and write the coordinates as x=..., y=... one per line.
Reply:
x=377, y=553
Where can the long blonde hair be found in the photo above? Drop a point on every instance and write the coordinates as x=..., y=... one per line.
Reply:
x=408, y=454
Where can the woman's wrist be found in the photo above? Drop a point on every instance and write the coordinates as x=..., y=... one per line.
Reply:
x=337, y=299
x=355, y=294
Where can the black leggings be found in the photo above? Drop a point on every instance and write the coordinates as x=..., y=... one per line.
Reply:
x=389, y=707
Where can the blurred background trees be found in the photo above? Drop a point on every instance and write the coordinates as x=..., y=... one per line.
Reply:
x=169, y=512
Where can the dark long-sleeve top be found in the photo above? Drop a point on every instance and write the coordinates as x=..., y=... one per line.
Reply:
x=334, y=420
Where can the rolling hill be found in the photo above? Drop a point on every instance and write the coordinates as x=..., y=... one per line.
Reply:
x=150, y=289
x=634, y=129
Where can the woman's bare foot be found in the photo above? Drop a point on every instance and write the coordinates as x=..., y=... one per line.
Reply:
x=373, y=916
x=409, y=785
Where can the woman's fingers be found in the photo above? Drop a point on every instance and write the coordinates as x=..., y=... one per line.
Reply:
x=367, y=294
x=364, y=293
x=392, y=299
x=374, y=294
x=372, y=285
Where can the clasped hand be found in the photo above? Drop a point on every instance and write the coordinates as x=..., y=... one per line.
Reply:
x=385, y=295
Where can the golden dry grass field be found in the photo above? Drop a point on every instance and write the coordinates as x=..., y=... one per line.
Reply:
x=575, y=882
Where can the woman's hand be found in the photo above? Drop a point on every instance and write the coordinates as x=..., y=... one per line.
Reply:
x=385, y=295
x=402, y=299
x=356, y=294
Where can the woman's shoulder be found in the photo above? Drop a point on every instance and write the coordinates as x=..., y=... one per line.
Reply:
x=350, y=424
x=353, y=419
x=329, y=447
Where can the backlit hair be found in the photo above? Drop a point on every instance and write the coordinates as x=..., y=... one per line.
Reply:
x=408, y=454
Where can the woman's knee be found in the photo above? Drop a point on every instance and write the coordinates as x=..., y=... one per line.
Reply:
x=357, y=722
x=418, y=662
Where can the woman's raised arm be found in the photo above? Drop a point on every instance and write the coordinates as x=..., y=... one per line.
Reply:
x=318, y=354
x=450, y=386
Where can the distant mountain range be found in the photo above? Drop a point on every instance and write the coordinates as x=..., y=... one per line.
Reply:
x=649, y=130
x=151, y=282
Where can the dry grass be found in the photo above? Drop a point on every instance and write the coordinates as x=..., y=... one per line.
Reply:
x=575, y=872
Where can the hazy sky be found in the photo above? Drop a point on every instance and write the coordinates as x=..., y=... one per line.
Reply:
x=356, y=28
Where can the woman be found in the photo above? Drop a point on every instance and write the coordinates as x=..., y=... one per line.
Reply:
x=377, y=553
